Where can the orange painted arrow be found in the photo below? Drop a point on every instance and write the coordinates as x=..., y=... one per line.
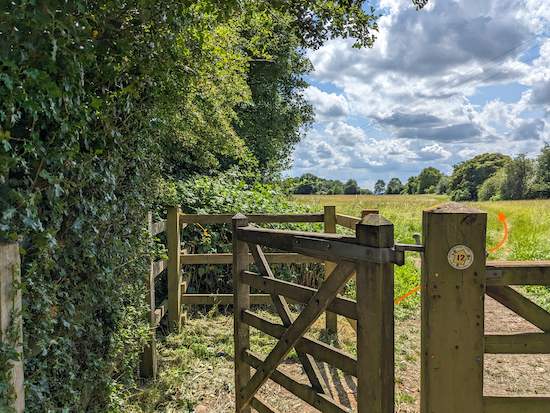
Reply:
x=501, y=217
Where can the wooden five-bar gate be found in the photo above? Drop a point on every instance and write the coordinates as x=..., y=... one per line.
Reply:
x=455, y=278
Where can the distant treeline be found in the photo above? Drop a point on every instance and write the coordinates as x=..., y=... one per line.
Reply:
x=490, y=176
x=311, y=184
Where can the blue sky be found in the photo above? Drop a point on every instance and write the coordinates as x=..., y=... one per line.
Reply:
x=441, y=85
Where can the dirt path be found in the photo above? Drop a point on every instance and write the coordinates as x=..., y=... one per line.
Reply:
x=504, y=375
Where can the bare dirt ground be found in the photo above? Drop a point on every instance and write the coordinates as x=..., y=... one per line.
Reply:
x=504, y=375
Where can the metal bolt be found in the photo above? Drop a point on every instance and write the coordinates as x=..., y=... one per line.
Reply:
x=329, y=246
x=368, y=253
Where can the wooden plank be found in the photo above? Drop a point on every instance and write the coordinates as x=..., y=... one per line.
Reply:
x=241, y=295
x=261, y=406
x=284, y=240
x=308, y=363
x=300, y=293
x=331, y=219
x=317, y=305
x=227, y=258
x=347, y=221
x=529, y=343
x=258, y=218
x=10, y=301
x=158, y=267
x=173, y=243
x=520, y=272
x=516, y=404
x=452, y=310
x=520, y=305
x=321, y=351
x=158, y=227
x=161, y=311
x=319, y=400
x=375, y=328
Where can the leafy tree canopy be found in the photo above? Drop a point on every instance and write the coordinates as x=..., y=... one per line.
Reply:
x=469, y=175
x=379, y=187
x=394, y=186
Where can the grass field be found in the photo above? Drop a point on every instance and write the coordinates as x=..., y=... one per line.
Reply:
x=196, y=366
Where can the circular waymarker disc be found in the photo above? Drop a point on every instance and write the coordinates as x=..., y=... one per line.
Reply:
x=460, y=257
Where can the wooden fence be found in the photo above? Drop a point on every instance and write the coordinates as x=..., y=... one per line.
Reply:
x=177, y=282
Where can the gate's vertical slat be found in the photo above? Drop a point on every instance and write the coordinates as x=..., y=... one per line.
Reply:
x=452, y=309
x=241, y=296
x=148, y=367
x=375, y=341
x=174, y=268
x=330, y=228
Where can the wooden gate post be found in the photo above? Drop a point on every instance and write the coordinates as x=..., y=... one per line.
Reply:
x=241, y=297
x=375, y=329
x=10, y=271
x=148, y=365
x=330, y=228
x=453, y=290
x=174, y=268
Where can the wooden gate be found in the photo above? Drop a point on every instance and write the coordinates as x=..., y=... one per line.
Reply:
x=371, y=254
x=455, y=279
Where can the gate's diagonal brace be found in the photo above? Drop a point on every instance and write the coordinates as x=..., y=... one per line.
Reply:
x=316, y=306
x=310, y=367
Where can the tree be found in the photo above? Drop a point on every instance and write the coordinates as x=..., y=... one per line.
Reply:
x=540, y=188
x=469, y=175
x=337, y=189
x=379, y=187
x=428, y=179
x=411, y=187
x=517, y=174
x=351, y=187
x=394, y=186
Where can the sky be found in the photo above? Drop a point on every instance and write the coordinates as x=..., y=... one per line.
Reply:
x=440, y=86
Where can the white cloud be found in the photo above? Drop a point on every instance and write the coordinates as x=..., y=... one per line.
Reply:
x=417, y=86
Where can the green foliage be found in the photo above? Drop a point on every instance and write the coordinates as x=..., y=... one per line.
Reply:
x=517, y=174
x=428, y=179
x=540, y=187
x=469, y=175
x=394, y=186
x=490, y=189
x=351, y=187
x=337, y=189
x=379, y=187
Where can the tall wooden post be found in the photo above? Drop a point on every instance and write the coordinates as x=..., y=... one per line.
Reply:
x=241, y=297
x=375, y=329
x=148, y=366
x=453, y=290
x=10, y=272
x=330, y=227
x=174, y=268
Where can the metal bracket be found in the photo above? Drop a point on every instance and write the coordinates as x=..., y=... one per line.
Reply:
x=493, y=273
x=354, y=251
x=409, y=247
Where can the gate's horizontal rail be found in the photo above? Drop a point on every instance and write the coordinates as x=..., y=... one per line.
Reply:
x=261, y=406
x=516, y=404
x=158, y=267
x=285, y=240
x=319, y=350
x=530, y=343
x=520, y=272
x=320, y=401
x=227, y=258
x=258, y=218
x=340, y=305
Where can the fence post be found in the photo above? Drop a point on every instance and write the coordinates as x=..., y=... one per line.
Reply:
x=330, y=228
x=174, y=268
x=375, y=329
x=148, y=367
x=453, y=291
x=241, y=297
x=10, y=272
